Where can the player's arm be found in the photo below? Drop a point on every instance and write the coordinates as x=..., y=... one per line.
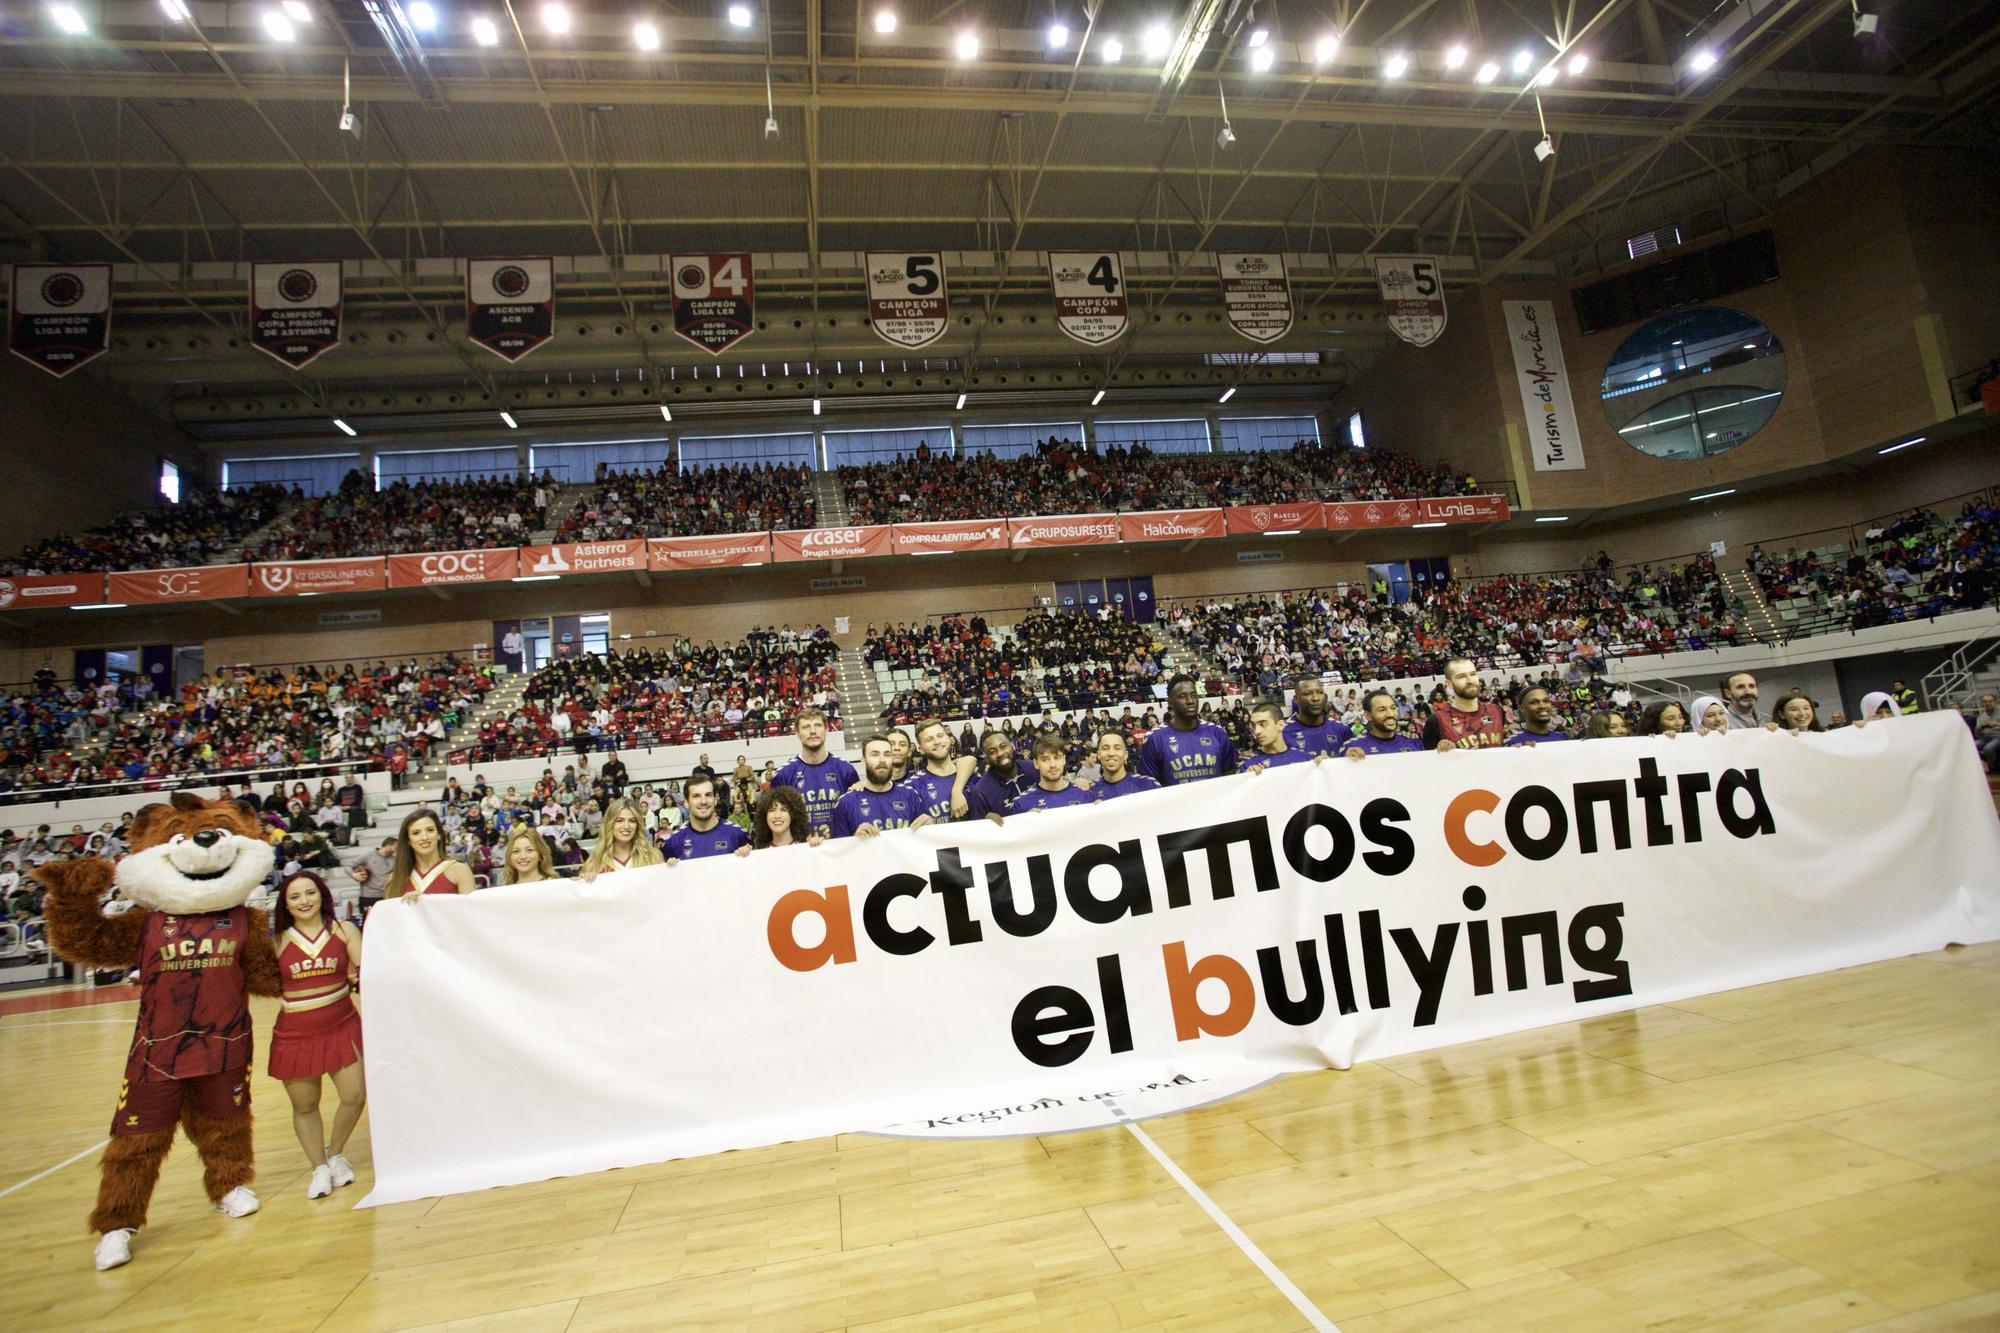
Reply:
x=352, y=939
x=78, y=929
x=260, y=960
x=1434, y=738
x=966, y=766
x=460, y=874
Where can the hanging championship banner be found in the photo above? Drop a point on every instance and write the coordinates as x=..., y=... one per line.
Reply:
x=1257, y=293
x=1090, y=296
x=295, y=310
x=61, y=315
x=510, y=304
x=1413, y=295
x=715, y=304
x=906, y=298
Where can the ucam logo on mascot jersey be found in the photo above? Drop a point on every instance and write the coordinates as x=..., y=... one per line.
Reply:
x=443, y=567
x=831, y=543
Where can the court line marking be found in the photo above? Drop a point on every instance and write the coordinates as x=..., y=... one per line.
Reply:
x=1284, y=1284
x=52, y=1170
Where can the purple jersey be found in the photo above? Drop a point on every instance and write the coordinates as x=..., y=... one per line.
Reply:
x=1294, y=755
x=1530, y=738
x=1369, y=743
x=1328, y=738
x=1125, y=786
x=821, y=785
x=989, y=795
x=897, y=807
x=1039, y=797
x=1171, y=756
x=689, y=844
x=933, y=792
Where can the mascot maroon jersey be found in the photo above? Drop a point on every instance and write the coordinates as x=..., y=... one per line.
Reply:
x=194, y=1017
x=1483, y=726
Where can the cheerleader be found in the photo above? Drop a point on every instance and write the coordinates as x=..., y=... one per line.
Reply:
x=623, y=844
x=319, y=1029
x=527, y=859
x=421, y=867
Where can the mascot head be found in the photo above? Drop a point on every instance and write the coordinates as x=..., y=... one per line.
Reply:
x=192, y=855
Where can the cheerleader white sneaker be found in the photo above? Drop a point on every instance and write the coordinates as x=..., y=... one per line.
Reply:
x=239, y=1202
x=343, y=1174
x=114, y=1248
x=321, y=1184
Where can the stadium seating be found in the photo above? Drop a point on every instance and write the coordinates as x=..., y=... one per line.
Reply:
x=1915, y=567
x=206, y=527
x=698, y=502
x=959, y=666
x=409, y=516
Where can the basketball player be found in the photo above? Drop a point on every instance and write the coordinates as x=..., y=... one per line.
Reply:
x=1113, y=754
x=880, y=803
x=421, y=866
x=1464, y=721
x=1269, y=728
x=318, y=1032
x=939, y=782
x=1054, y=790
x=900, y=751
x=988, y=795
x=1187, y=749
x=623, y=845
x=1379, y=735
x=706, y=833
x=1311, y=728
x=817, y=776
x=1538, y=719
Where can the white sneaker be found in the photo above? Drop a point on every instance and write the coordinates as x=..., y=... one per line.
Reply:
x=239, y=1202
x=343, y=1174
x=322, y=1183
x=114, y=1247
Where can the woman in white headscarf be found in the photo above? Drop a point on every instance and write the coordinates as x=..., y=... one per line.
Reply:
x=1875, y=705
x=1707, y=715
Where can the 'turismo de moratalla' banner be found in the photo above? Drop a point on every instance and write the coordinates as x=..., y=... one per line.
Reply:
x=1306, y=917
x=510, y=304
x=715, y=300
x=295, y=310
x=60, y=315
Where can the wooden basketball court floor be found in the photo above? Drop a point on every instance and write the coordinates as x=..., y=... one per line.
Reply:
x=1817, y=1154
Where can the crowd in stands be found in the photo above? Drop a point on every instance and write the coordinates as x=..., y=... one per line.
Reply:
x=201, y=529
x=1063, y=476
x=124, y=733
x=1059, y=658
x=697, y=502
x=410, y=516
x=1509, y=621
x=1918, y=566
x=678, y=695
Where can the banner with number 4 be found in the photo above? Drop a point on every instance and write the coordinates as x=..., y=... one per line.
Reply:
x=714, y=300
x=1090, y=296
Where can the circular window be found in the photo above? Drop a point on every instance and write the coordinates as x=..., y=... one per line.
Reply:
x=1694, y=383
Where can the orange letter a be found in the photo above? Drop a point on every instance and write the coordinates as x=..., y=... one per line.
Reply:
x=831, y=908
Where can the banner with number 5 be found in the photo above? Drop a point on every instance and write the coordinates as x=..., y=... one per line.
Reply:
x=1090, y=296
x=907, y=304
x=714, y=300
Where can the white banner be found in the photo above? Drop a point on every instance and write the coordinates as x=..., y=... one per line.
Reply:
x=908, y=304
x=1306, y=917
x=1412, y=296
x=60, y=315
x=510, y=304
x=1257, y=293
x=295, y=310
x=1543, y=379
x=1090, y=297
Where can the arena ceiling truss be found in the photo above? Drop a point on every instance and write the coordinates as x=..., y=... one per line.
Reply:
x=182, y=139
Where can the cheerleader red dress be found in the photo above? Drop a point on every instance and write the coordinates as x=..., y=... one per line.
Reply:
x=319, y=1029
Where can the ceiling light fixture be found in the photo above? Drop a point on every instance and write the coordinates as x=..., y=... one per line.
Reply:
x=1711, y=495
x=1058, y=36
x=1227, y=394
x=1549, y=74
x=98, y=606
x=176, y=10
x=1523, y=61
x=1397, y=66
x=1455, y=57
x=1578, y=63
x=278, y=27
x=345, y=429
x=1259, y=36
x=1326, y=48
x=1112, y=50
x=508, y=417
x=666, y=413
x=961, y=403
x=484, y=32
x=1487, y=72
x=298, y=11
x=739, y=16
x=646, y=36
x=555, y=18
x=1904, y=445
x=1262, y=58
x=1702, y=61
x=1097, y=398
x=815, y=407
x=885, y=21
x=1553, y=518
x=423, y=15
x=1156, y=41
x=1427, y=525
x=536, y=578
x=967, y=45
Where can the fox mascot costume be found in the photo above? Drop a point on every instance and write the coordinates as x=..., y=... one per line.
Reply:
x=201, y=953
